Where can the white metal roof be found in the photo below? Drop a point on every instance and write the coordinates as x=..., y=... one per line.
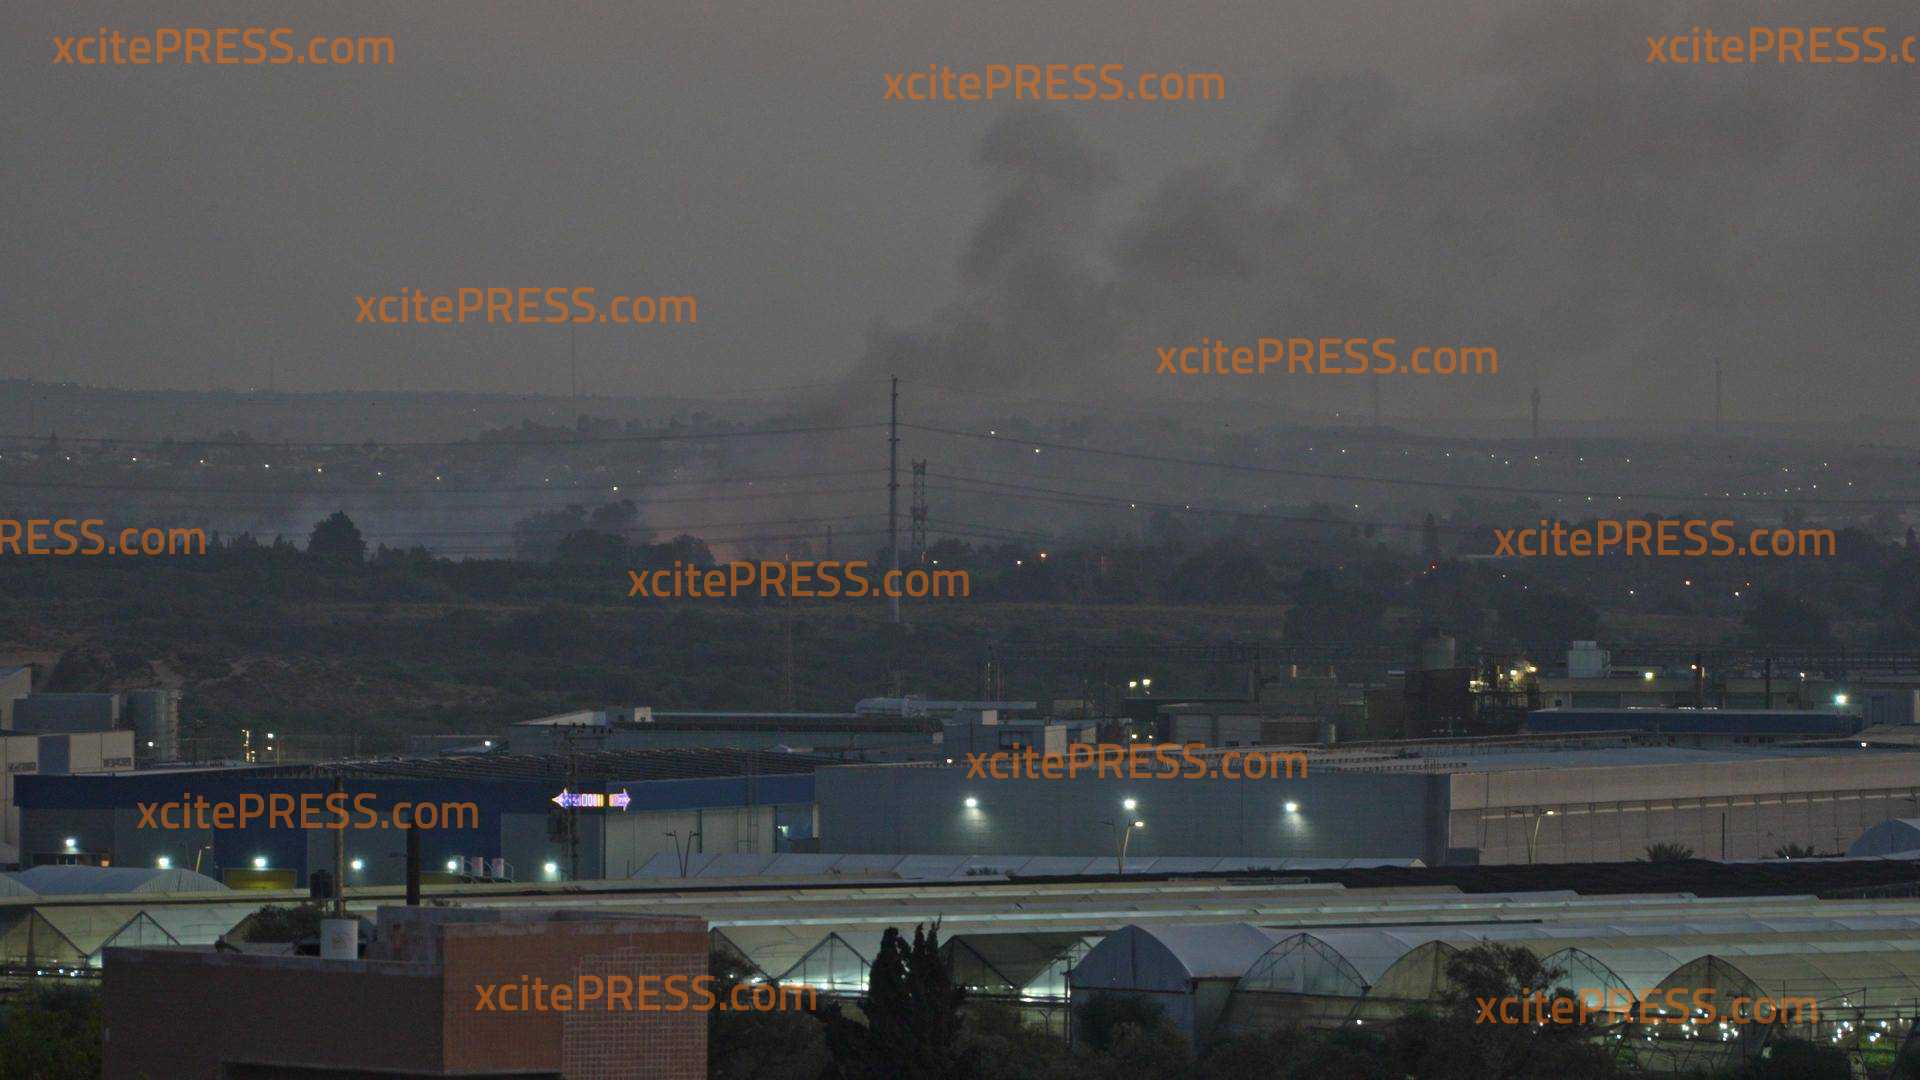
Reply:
x=85, y=880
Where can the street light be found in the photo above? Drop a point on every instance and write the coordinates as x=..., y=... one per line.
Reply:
x=1533, y=837
x=1129, y=804
x=686, y=853
x=972, y=803
x=1293, y=807
x=1126, y=834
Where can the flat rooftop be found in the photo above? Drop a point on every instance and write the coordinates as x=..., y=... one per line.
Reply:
x=668, y=763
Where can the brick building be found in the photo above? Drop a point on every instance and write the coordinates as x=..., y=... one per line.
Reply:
x=410, y=1007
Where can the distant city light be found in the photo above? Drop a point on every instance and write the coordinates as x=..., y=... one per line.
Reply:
x=357, y=864
x=972, y=803
x=1293, y=807
x=552, y=868
x=163, y=863
x=259, y=862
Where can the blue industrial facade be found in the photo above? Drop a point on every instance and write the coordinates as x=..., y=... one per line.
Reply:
x=101, y=815
x=870, y=809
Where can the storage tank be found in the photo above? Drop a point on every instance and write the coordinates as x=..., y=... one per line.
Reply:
x=155, y=715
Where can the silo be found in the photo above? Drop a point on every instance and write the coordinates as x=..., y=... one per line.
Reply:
x=155, y=715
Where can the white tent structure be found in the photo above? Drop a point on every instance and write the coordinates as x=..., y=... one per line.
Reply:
x=1891, y=837
x=102, y=880
x=1188, y=970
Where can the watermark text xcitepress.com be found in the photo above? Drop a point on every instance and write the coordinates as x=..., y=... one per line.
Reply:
x=70, y=536
x=1783, y=44
x=317, y=810
x=1326, y=356
x=1135, y=761
x=1637, y=537
x=1693, y=1006
x=526, y=306
x=220, y=45
x=1052, y=82
x=638, y=993
x=805, y=578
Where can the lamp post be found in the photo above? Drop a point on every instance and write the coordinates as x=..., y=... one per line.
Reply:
x=1533, y=837
x=683, y=853
x=1126, y=834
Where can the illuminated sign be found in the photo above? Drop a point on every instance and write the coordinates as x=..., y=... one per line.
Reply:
x=591, y=800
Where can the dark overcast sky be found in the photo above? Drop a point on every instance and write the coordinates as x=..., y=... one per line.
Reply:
x=1504, y=173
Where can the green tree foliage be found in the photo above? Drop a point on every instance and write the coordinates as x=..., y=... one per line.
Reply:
x=1097, y=1023
x=1140, y=1053
x=1547, y=617
x=779, y=1044
x=1454, y=1043
x=1001, y=1046
x=1347, y=1053
x=1668, y=853
x=51, y=1034
x=1787, y=620
x=284, y=924
x=338, y=540
x=913, y=1016
x=1798, y=1059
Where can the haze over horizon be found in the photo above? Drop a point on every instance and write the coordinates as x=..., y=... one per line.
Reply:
x=1488, y=174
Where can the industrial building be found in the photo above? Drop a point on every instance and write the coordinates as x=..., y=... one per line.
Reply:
x=412, y=1004
x=1852, y=979
x=1577, y=799
x=877, y=729
x=1225, y=952
x=499, y=817
x=152, y=717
